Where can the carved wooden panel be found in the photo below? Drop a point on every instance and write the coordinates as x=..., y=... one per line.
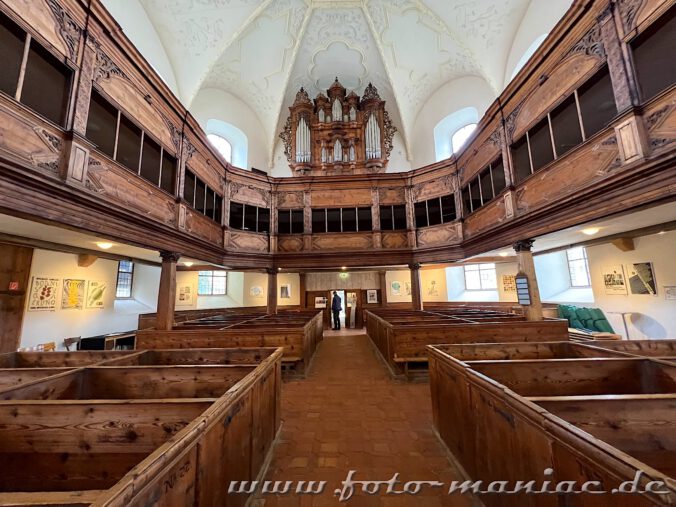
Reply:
x=635, y=12
x=337, y=198
x=572, y=173
x=394, y=239
x=482, y=152
x=49, y=20
x=343, y=241
x=249, y=241
x=288, y=200
x=30, y=141
x=433, y=188
x=206, y=167
x=115, y=184
x=485, y=218
x=660, y=121
x=438, y=235
x=392, y=195
x=249, y=194
x=290, y=243
x=203, y=227
x=560, y=82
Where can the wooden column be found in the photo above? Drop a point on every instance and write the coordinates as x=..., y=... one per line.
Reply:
x=619, y=66
x=302, y=289
x=272, y=291
x=526, y=266
x=382, y=277
x=166, y=298
x=416, y=292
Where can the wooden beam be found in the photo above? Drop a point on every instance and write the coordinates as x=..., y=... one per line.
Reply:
x=624, y=244
x=416, y=289
x=86, y=260
x=272, y=291
x=166, y=297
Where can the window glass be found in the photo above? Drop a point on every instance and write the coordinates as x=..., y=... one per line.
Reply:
x=498, y=174
x=102, y=123
x=349, y=219
x=236, y=215
x=486, y=185
x=250, y=218
x=284, y=221
x=566, y=126
x=125, y=278
x=420, y=211
x=128, y=144
x=365, y=220
x=653, y=53
x=597, y=102
x=12, y=42
x=399, y=214
x=540, y=144
x=318, y=220
x=168, y=173
x=263, y=220
x=189, y=188
x=434, y=211
x=212, y=283
x=209, y=208
x=151, y=158
x=520, y=159
x=460, y=137
x=46, y=85
x=578, y=267
x=466, y=200
x=386, y=221
x=475, y=193
x=333, y=220
x=222, y=145
x=297, y=221
x=448, y=208
x=200, y=195
x=480, y=277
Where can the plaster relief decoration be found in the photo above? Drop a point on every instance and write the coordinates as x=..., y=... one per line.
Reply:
x=72, y=294
x=285, y=291
x=509, y=283
x=43, y=294
x=256, y=292
x=356, y=140
x=641, y=278
x=185, y=295
x=96, y=293
x=614, y=280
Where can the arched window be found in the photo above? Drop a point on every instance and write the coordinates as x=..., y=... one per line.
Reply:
x=222, y=145
x=460, y=136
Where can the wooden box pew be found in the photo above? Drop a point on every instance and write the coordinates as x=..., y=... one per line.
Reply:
x=522, y=351
x=498, y=435
x=139, y=452
x=645, y=348
x=189, y=357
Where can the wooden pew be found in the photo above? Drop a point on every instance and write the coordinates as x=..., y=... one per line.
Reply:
x=97, y=436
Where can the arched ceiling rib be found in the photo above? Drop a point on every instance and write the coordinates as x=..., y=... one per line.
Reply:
x=263, y=51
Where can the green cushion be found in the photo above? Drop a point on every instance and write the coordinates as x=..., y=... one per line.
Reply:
x=584, y=314
x=576, y=324
x=603, y=325
x=597, y=314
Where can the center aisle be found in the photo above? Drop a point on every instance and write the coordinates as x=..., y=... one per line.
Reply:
x=348, y=414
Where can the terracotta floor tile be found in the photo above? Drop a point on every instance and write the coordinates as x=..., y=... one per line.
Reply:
x=348, y=414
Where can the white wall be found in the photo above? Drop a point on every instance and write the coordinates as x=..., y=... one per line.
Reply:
x=47, y=326
x=654, y=316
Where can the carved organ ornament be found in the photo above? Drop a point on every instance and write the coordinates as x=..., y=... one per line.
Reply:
x=338, y=133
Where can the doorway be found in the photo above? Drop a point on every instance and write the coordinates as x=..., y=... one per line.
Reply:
x=343, y=305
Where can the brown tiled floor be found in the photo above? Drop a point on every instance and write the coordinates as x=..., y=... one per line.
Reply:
x=348, y=414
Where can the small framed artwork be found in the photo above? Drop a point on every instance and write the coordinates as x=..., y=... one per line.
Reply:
x=372, y=296
x=614, y=280
x=395, y=286
x=320, y=302
x=285, y=291
x=641, y=278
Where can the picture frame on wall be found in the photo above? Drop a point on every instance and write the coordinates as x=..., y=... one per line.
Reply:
x=320, y=302
x=43, y=294
x=285, y=291
x=396, y=287
x=185, y=295
x=96, y=293
x=614, y=281
x=72, y=294
x=372, y=296
x=641, y=278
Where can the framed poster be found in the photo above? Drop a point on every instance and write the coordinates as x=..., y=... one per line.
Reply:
x=285, y=291
x=43, y=294
x=407, y=288
x=372, y=296
x=395, y=287
x=508, y=283
x=320, y=302
x=614, y=280
x=72, y=294
x=96, y=292
x=256, y=292
x=670, y=291
x=641, y=278
x=185, y=295
x=432, y=289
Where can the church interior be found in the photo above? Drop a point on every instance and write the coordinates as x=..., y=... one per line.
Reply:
x=324, y=252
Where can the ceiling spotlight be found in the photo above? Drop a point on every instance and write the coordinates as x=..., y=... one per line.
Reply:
x=503, y=254
x=104, y=245
x=188, y=263
x=590, y=231
x=344, y=268
x=279, y=269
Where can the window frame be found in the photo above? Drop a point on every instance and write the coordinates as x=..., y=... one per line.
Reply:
x=585, y=262
x=131, y=277
x=211, y=276
x=479, y=269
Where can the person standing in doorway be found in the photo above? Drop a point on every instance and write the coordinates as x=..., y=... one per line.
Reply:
x=336, y=307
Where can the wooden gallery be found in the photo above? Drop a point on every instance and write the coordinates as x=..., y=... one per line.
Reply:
x=317, y=252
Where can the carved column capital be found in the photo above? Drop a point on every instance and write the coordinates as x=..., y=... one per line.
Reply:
x=414, y=266
x=523, y=245
x=271, y=271
x=170, y=256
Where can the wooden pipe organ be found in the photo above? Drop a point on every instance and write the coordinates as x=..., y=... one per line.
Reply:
x=338, y=133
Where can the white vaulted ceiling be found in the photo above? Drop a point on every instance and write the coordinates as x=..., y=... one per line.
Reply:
x=263, y=51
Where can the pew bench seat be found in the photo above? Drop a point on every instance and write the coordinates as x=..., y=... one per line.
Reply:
x=405, y=361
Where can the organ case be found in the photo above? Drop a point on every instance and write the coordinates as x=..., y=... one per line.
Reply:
x=338, y=133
